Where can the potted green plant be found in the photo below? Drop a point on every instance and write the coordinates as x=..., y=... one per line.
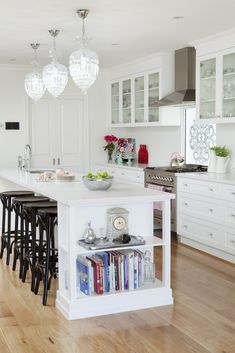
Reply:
x=222, y=158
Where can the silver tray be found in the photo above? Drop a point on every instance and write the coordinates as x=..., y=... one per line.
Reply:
x=107, y=244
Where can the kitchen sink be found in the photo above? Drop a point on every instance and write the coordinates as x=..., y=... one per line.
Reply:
x=39, y=171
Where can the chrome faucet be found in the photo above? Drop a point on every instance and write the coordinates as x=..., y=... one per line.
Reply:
x=28, y=155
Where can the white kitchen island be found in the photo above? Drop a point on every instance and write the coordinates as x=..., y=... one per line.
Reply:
x=77, y=206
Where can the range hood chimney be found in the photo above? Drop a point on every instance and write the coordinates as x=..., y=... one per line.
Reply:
x=185, y=68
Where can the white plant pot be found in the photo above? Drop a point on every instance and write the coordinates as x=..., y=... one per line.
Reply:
x=221, y=164
x=212, y=162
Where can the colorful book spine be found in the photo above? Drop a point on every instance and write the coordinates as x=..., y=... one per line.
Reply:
x=84, y=280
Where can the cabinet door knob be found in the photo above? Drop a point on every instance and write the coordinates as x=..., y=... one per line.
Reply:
x=211, y=235
x=185, y=226
x=211, y=189
x=211, y=210
x=233, y=215
x=233, y=193
x=185, y=203
x=185, y=185
x=233, y=241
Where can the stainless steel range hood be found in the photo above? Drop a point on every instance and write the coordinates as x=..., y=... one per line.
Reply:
x=185, y=68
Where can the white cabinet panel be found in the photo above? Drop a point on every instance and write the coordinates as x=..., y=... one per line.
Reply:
x=42, y=133
x=69, y=132
x=206, y=215
x=56, y=132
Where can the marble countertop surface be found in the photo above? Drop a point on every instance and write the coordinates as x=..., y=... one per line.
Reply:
x=74, y=193
x=228, y=178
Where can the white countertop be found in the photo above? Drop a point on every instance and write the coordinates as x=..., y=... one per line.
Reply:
x=74, y=193
x=228, y=178
x=135, y=166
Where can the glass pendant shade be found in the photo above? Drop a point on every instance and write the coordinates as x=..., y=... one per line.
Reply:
x=55, y=77
x=34, y=85
x=84, y=68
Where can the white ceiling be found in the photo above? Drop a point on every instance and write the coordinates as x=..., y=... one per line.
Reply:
x=141, y=27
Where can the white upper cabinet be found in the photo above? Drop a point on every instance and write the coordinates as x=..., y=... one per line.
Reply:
x=56, y=132
x=134, y=96
x=215, y=80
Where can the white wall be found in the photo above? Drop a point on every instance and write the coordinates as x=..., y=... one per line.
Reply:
x=13, y=107
x=161, y=142
x=225, y=135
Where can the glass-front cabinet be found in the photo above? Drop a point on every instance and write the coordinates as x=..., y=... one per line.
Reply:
x=153, y=97
x=229, y=86
x=207, y=88
x=134, y=100
x=216, y=87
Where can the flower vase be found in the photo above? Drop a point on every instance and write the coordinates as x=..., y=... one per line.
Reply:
x=110, y=159
x=212, y=162
x=221, y=164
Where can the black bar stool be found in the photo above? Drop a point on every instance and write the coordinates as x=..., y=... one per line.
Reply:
x=17, y=206
x=46, y=267
x=7, y=233
x=31, y=247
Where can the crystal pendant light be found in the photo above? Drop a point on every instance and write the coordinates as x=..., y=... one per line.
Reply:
x=33, y=83
x=55, y=75
x=84, y=63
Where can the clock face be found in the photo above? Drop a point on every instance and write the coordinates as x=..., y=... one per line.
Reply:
x=119, y=223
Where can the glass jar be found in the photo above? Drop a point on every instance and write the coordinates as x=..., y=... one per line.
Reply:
x=143, y=156
x=149, y=267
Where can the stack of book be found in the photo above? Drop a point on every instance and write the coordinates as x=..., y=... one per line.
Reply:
x=110, y=271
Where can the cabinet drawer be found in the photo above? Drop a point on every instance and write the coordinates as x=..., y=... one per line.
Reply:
x=230, y=216
x=199, y=231
x=203, y=208
x=229, y=193
x=229, y=245
x=199, y=187
x=136, y=177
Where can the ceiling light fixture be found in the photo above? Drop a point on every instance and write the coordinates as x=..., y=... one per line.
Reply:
x=84, y=63
x=55, y=75
x=34, y=85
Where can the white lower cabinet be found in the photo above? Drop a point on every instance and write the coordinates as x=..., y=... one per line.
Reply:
x=122, y=173
x=206, y=216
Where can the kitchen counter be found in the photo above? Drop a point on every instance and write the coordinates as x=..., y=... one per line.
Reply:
x=214, y=177
x=134, y=166
x=74, y=193
x=76, y=207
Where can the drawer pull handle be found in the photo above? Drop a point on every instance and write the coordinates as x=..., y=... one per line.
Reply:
x=186, y=185
x=233, y=193
x=233, y=215
x=185, y=226
x=211, y=189
x=122, y=173
x=211, y=235
x=137, y=176
x=185, y=203
x=211, y=210
x=233, y=241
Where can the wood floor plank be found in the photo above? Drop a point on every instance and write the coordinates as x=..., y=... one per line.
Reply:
x=202, y=319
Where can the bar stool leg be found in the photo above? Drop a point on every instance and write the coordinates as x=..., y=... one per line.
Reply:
x=8, y=231
x=33, y=229
x=3, y=243
x=22, y=242
x=25, y=261
x=45, y=289
x=15, y=255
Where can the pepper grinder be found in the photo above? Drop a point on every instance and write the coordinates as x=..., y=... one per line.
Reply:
x=89, y=235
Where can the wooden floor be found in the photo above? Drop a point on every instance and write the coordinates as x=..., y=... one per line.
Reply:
x=202, y=318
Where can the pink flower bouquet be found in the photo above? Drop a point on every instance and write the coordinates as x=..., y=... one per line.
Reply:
x=110, y=140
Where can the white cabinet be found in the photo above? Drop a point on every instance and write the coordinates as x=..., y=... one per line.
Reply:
x=206, y=216
x=56, y=132
x=215, y=87
x=125, y=173
x=134, y=102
